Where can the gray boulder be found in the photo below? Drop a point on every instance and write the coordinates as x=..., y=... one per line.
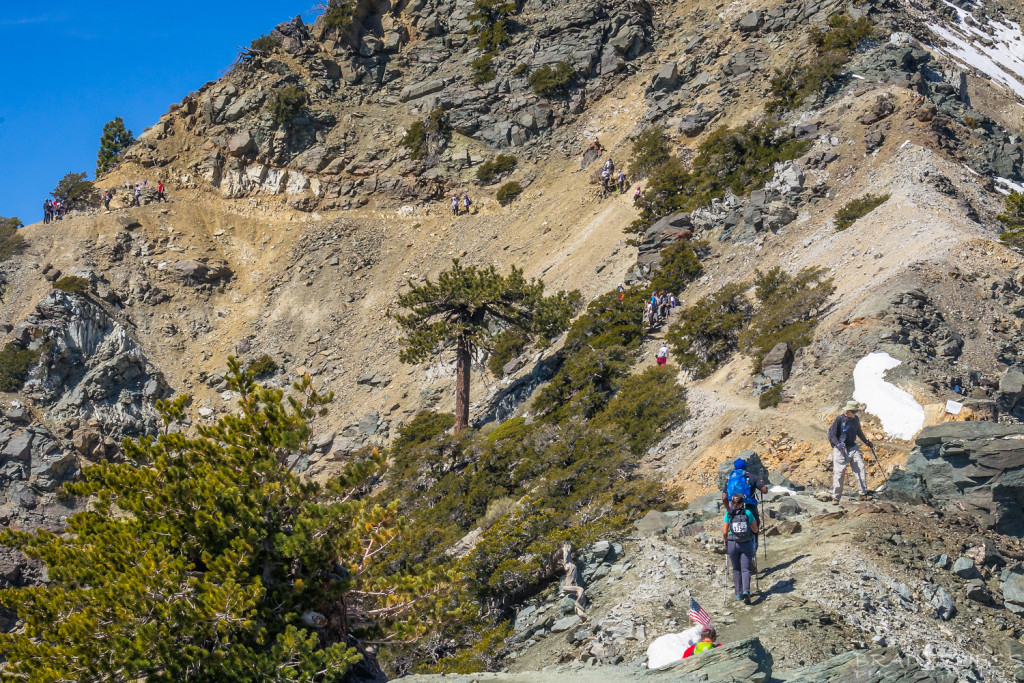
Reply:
x=1010, y=398
x=965, y=569
x=241, y=144
x=1012, y=585
x=666, y=78
x=975, y=466
x=752, y=22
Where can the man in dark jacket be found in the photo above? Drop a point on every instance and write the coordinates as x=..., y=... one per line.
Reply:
x=843, y=435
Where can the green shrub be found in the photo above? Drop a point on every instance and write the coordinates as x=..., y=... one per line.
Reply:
x=483, y=68
x=262, y=366
x=425, y=426
x=680, y=265
x=552, y=81
x=833, y=48
x=609, y=321
x=770, y=398
x=72, y=284
x=650, y=150
x=493, y=169
x=507, y=346
x=508, y=192
x=737, y=159
x=857, y=209
x=496, y=509
x=1012, y=219
x=584, y=384
x=11, y=241
x=72, y=187
x=339, y=15
x=971, y=122
x=512, y=428
x=265, y=44
x=646, y=406
x=489, y=22
x=287, y=104
x=789, y=305
x=425, y=138
x=15, y=363
x=520, y=69
x=707, y=333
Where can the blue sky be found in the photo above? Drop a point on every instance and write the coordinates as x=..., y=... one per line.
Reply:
x=69, y=67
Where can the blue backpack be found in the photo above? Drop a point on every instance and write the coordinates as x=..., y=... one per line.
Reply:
x=738, y=483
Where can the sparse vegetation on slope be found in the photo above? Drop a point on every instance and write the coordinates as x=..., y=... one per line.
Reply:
x=72, y=284
x=11, y=241
x=1012, y=219
x=650, y=150
x=552, y=81
x=833, y=47
x=508, y=193
x=494, y=169
x=856, y=209
x=287, y=104
x=15, y=362
x=740, y=160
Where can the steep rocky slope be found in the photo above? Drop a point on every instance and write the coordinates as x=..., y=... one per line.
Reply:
x=294, y=240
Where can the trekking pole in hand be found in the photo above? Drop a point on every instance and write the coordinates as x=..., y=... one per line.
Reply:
x=878, y=464
x=760, y=529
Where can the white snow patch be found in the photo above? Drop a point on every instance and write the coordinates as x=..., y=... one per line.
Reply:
x=1000, y=54
x=902, y=417
x=1009, y=186
x=782, y=489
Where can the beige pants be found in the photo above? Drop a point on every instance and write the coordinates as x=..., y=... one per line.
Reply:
x=855, y=459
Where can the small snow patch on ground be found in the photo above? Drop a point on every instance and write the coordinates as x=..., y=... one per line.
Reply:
x=902, y=417
x=1009, y=186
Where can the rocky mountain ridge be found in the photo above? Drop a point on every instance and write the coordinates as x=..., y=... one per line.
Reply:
x=294, y=240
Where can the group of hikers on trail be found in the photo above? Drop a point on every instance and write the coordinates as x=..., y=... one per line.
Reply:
x=658, y=308
x=610, y=181
x=742, y=522
x=53, y=210
x=466, y=203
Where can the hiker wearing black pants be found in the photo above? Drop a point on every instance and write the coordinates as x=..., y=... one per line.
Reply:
x=738, y=531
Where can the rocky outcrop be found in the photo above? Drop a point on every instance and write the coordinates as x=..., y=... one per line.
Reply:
x=973, y=466
x=92, y=375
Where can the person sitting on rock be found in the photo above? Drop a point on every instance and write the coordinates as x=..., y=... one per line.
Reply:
x=843, y=435
x=596, y=147
x=708, y=636
x=739, y=528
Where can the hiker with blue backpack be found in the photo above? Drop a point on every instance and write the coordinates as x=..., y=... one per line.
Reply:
x=739, y=529
x=743, y=483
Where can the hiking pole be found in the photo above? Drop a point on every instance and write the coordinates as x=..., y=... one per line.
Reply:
x=760, y=528
x=885, y=479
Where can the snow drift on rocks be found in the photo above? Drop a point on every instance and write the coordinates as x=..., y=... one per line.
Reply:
x=902, y=417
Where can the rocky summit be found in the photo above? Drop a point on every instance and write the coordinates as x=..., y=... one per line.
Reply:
x=744, y=215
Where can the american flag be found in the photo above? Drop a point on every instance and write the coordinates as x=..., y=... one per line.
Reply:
x=698, y=614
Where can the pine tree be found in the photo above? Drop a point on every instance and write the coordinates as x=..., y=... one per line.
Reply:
x=115, y=138
x=71, y=187
x=204, y=558
x=1012, y=218
x=467, y=308
x=11, y=242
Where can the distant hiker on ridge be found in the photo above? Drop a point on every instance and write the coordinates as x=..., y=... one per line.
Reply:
x=455, y=204
x=662, y=356
x=843, y=436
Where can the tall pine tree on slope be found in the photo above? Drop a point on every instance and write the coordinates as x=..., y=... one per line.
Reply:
x=115, y=138
x=467, y=308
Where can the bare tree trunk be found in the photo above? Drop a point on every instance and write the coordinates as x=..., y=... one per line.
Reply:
x=462, y=362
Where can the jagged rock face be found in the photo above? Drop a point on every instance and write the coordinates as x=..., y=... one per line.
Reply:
x=977, y=466
x=91, y=370
x=408, y=59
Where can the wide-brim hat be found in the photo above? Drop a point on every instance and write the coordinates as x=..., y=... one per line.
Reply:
x=853, y=406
